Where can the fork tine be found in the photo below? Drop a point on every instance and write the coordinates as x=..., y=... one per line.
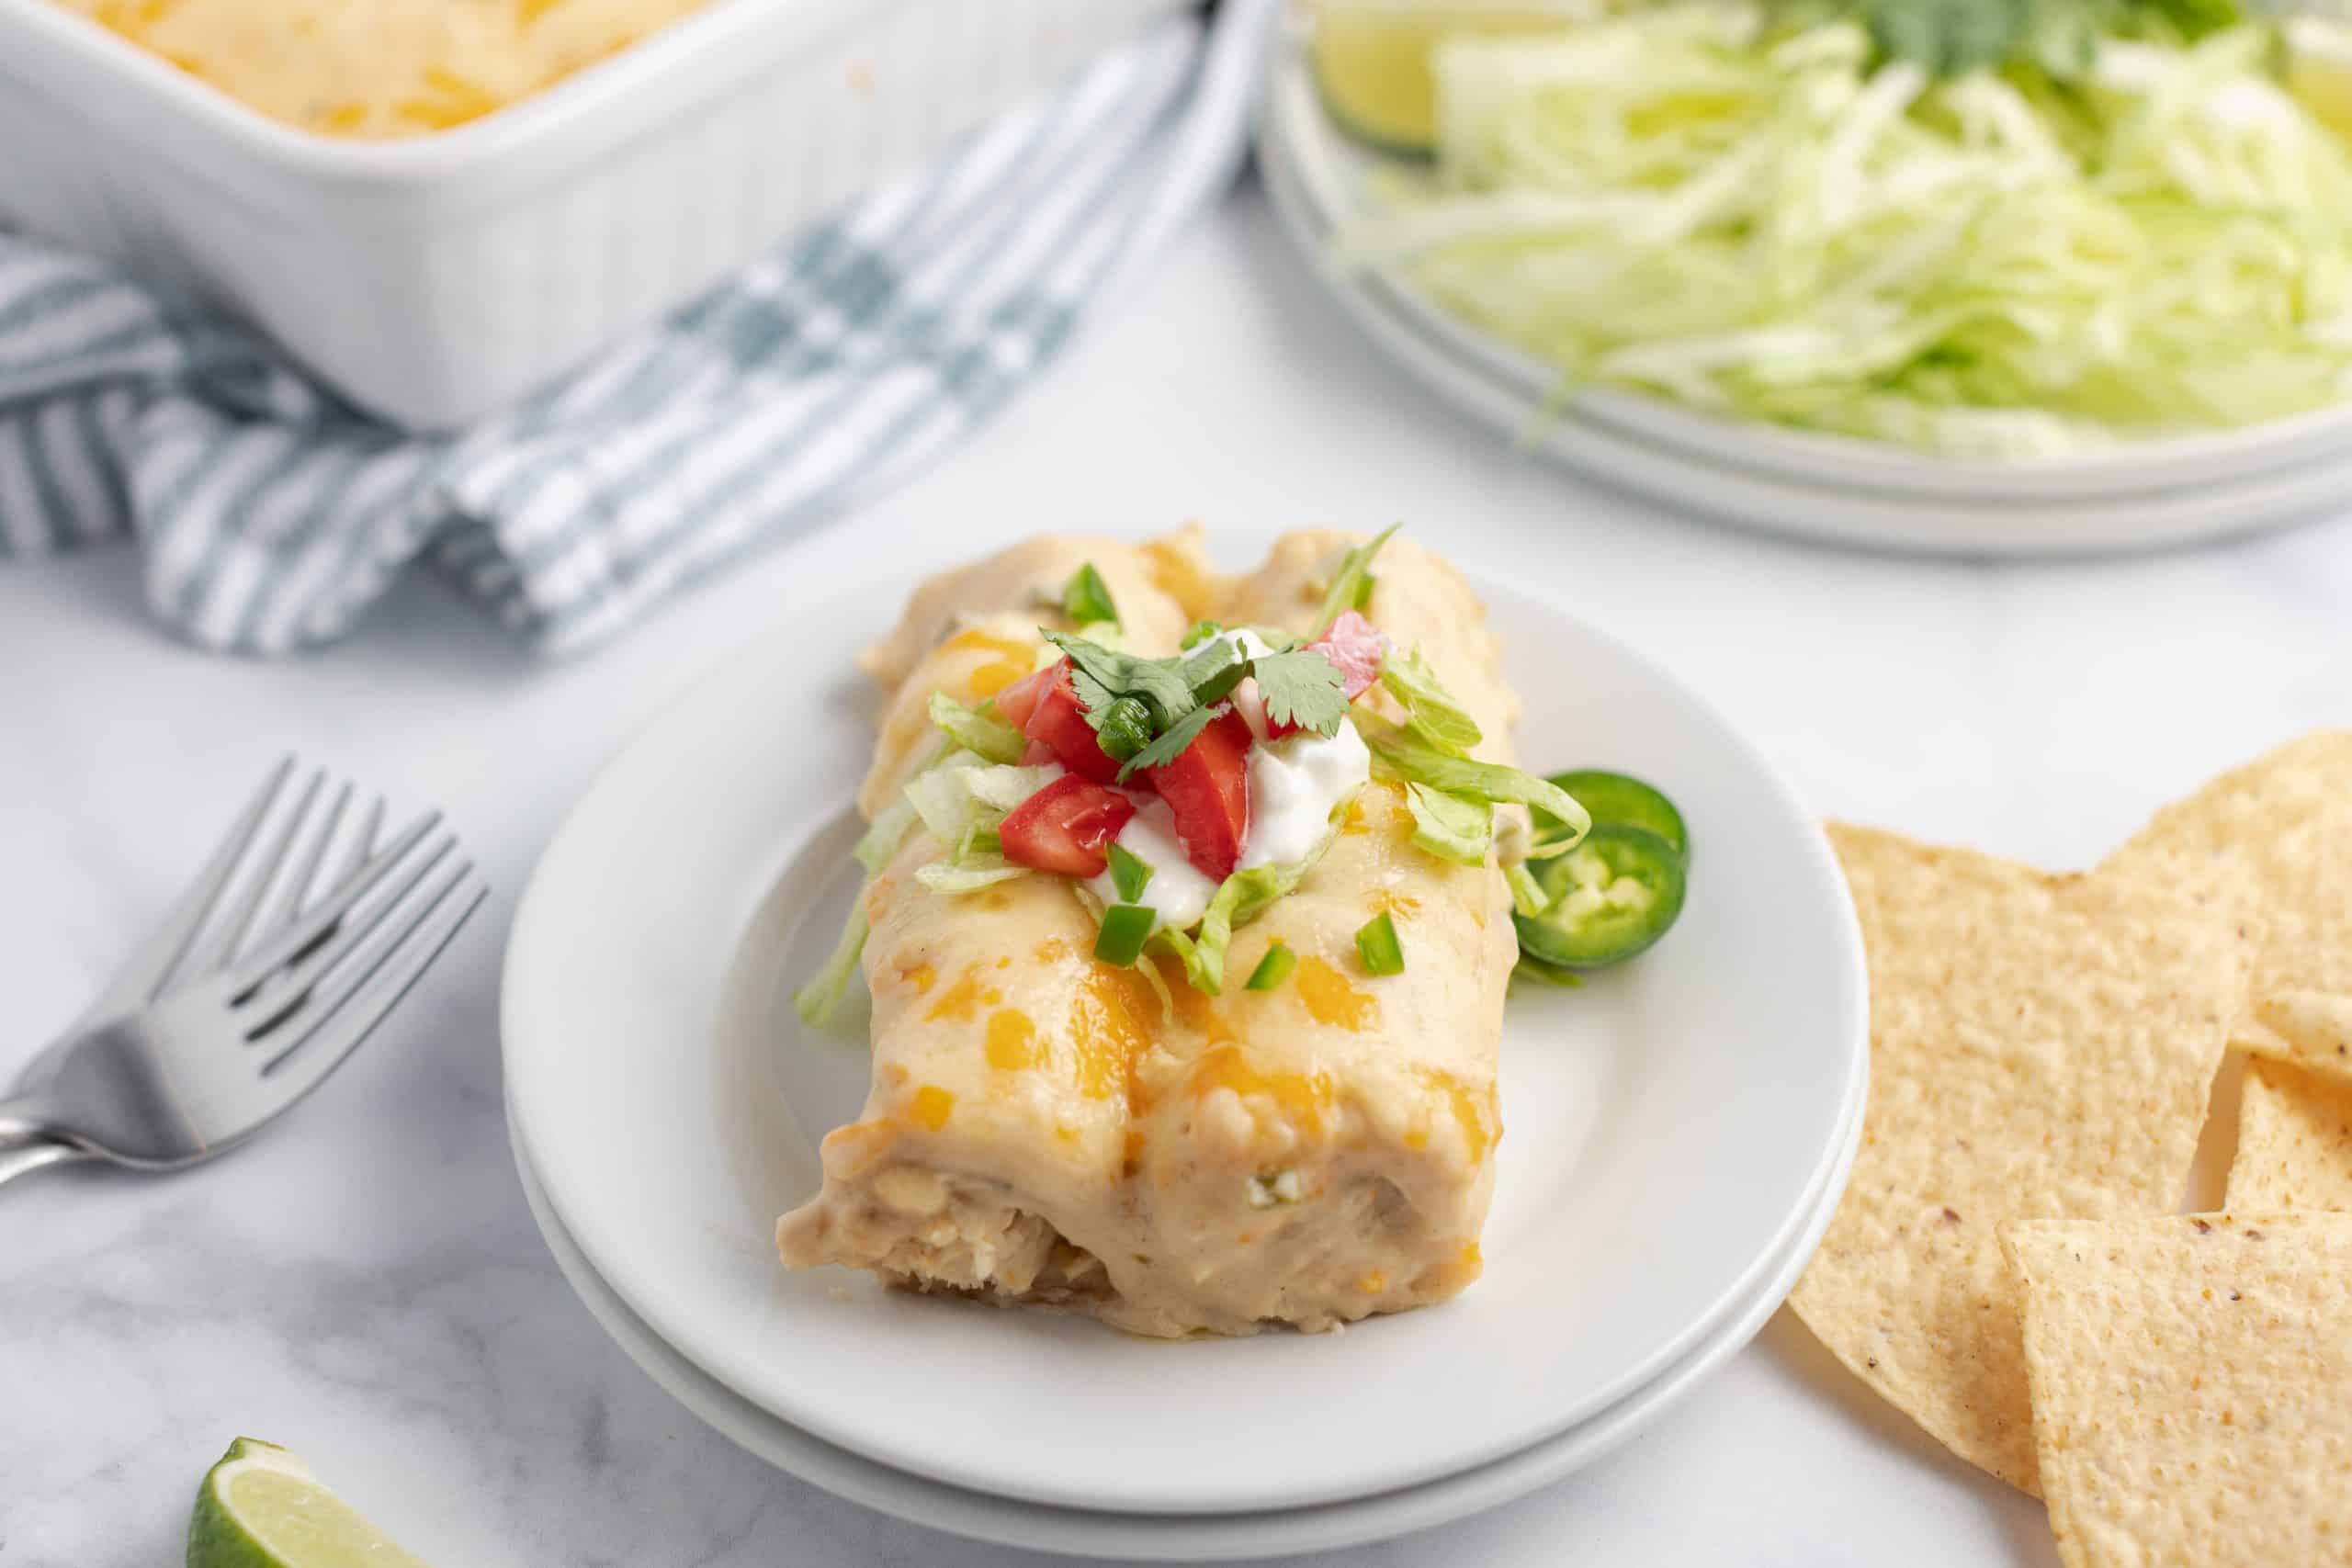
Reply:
x=143, y=978
x=355, y=856
x=384, y=979
x=297, y=891
x=337, y=904
x=363, y=846
x=221, y=947
x=318, y=992
x=279, y=992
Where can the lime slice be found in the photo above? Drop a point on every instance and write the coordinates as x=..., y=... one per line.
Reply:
x=2319, y=70
x=1371, y=60
x=259, y=1507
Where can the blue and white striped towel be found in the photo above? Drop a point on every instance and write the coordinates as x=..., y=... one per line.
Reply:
x=272, y=516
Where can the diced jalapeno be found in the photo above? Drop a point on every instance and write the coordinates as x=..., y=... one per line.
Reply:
x=1272, y=969
x=1125, y=928
x=1377, y=945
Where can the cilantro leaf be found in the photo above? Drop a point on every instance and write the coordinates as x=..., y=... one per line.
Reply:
x=1103, y=677
x=1171, y=743
x=1214, y=671
x=1301, y=688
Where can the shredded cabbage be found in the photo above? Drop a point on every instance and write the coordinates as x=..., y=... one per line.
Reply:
x=2116, y=235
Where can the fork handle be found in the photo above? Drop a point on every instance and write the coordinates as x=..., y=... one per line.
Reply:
x=16, y=1160
x=21, y=1122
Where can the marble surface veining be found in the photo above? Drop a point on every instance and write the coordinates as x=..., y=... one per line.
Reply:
x=364, y=1283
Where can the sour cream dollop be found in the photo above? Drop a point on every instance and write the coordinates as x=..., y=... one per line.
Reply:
x=1294, y=786
x=1178, y=893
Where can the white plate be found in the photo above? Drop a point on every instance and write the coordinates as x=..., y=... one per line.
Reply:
x=1667, y=1123
x=1799, y=481
x=1175, y=1537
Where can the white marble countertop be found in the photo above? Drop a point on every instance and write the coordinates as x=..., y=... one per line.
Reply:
x=364, y=1285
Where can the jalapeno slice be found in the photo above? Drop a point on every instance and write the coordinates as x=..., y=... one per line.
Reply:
x=1617, y=800
x=1613, y=897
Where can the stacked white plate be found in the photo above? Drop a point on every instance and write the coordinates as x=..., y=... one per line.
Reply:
x=1792, y=482
x=1679, y=1133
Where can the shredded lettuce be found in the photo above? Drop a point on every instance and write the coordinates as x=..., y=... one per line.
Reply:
x=1450, y=827
x=1351, y=584
x=1001, y=789
x=1547, y=973
x=976, y=730
x=1428, y=707
x=1527, y=895
x=1399, y=754
x=819, y=1002
x=942, y=798
x=968, y=874
x=888, y=830
x=1746, y=206
x=960, y=800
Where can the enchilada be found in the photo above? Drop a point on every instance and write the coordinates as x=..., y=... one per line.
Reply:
x=1154, y=1141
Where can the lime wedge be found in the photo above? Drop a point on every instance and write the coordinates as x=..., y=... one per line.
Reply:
x=259, y=1507
x=1371, y=60
x=2319, y=70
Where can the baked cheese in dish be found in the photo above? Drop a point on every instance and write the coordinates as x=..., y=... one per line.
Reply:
x=381, y=69
x=1047, y=1128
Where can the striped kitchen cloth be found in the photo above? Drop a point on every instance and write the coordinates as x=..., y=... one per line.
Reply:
x=271, y=516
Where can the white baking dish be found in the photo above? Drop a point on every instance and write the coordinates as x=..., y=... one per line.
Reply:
x=431, y=281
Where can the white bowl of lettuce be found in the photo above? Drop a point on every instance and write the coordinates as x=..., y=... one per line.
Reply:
x=1954, y=251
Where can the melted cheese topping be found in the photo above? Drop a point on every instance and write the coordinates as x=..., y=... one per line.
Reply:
x=379, y=69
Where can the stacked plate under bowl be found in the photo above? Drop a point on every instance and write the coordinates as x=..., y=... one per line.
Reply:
x=1677, y=1133
x=1792, y=482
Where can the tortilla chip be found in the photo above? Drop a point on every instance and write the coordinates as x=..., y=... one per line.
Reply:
x=2190, y=1386
x=2039, y=1047
x=2295, y=1140
x=2286, y=820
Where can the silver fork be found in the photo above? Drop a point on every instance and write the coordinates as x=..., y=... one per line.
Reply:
x=200, y=1039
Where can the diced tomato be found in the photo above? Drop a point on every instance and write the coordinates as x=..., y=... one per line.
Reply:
x=1356, y=646
x=1207, y=790
x=1036, y=754
x=1056, y=718
x=1018, y=701
x=1355, y=649
x=1065, y=827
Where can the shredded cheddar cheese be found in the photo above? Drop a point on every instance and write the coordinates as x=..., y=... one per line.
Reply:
x=378, y=69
